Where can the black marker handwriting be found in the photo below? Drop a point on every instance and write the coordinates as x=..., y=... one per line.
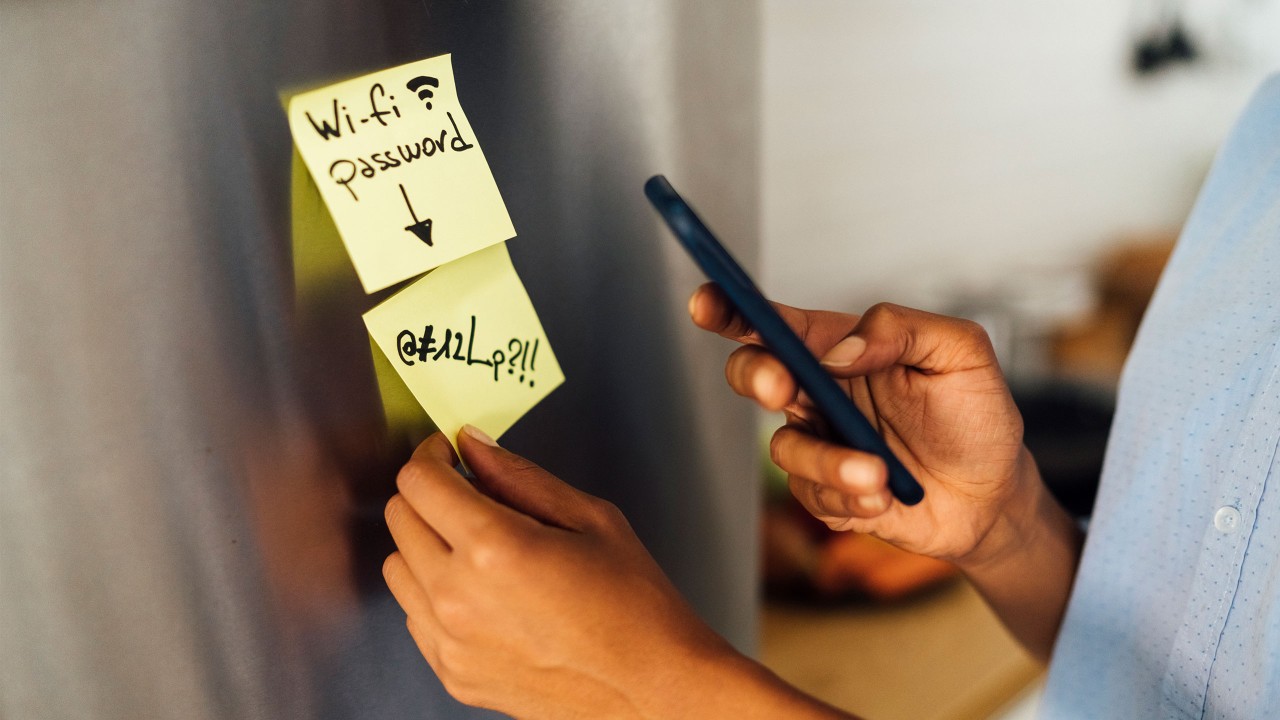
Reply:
x=346, y=171
x=519, y=356
x=341, y=114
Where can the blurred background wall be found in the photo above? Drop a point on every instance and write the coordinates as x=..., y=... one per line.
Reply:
x=919, y=149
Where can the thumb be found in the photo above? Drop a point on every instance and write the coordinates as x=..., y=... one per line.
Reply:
x=889, y=335
x=520, y=484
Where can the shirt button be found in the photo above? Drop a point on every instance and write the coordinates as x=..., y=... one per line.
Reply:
x=1227, y=519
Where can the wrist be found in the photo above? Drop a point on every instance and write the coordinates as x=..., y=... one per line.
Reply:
x=1027, y=515
x=1025, y=565
x=727, y=684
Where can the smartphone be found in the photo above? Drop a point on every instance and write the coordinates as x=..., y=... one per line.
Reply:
x=849, y=425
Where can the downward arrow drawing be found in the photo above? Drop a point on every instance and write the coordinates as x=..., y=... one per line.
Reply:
x=421, y=228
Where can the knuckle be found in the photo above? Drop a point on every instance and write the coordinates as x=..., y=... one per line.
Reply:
x=825, y=500
x=776, y=444
x=805, y=491
x=453, y=669
x=489, y=558
x=838, y=524
x=461, y=690
x=737, y=326
x=881, y=312
x=604, y=514
x=973, y=332
x=447, y=673
x=523, y=470
x=519, y=464
x=494, y=549
x=730, y=322
x=453, y=612
x=829, y=505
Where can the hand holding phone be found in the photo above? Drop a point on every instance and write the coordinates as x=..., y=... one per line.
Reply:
x=846, y=421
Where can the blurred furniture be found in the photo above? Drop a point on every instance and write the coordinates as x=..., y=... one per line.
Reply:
x=941, y=656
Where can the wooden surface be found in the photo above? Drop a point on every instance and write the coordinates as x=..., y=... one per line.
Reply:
x=943, y=656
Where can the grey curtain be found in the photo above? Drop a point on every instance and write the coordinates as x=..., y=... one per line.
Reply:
x=192, y=472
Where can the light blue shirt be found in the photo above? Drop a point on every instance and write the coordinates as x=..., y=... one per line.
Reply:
x=1176, y=609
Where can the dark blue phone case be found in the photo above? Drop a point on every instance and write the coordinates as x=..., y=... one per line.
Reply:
x=847, y=422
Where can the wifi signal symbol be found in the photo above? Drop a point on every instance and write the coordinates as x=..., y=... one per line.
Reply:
x=418, y=85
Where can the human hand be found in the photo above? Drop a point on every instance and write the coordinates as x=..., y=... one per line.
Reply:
x=933, y=388
x=532, y=598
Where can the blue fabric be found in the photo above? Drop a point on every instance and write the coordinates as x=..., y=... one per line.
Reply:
x=1172, y=615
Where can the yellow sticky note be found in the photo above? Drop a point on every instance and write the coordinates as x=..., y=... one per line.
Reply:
x=320, y=265
x=466, y=340
x=400, y=170
x=323, y=282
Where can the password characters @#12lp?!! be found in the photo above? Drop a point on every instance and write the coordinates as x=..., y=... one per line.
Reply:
x=519, y=358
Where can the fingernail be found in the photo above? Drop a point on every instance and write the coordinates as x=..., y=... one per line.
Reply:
x=765, y=385
x=856, y=476
x=479, y=435
x=693, y=303
x=845, y=352
x=872, y=503
x=759, y=385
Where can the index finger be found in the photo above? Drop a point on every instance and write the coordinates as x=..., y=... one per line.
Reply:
x=711, y=310
x=445, y=500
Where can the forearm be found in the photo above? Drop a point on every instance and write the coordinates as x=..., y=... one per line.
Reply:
x=737, y=687
x=1026, y=565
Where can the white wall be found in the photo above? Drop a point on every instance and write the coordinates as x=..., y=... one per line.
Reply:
x=916, y=147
